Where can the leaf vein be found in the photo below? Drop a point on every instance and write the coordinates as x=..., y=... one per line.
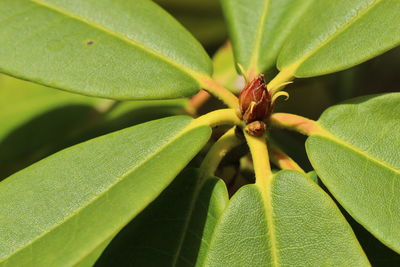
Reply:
x=339, y=31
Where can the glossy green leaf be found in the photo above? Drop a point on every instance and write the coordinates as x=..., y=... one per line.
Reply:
x=258, y=29
x=292, y=223
x=61, y=209
x=175, y=230
x=111, y=48
x=358, y=159
x=352, y=32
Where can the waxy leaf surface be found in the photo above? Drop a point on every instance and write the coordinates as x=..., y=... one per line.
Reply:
x=110, y=48
x=335, y=35
x=357, y=156
x=259, y=28
x=175, y=230
x=60, y=210
x=293, y=222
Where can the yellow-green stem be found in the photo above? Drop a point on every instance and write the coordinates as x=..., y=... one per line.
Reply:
x=217, y=152
x=259, y=154
x=196, y=102
x=218, y=117
x=220, y=92
x=280, y=80
x=296, y=123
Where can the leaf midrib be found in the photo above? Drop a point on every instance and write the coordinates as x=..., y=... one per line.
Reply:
x=296, y=64
x=266, y=195
x=253, y=64
x=184, y=130
x=194, y=74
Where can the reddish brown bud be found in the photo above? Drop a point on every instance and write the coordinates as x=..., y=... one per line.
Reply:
x=256, y=128
x=255, y=101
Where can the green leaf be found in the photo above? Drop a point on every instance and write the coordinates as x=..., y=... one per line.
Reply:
x=224, y=69
x=60, y=210
x=175, y=229
x=291, y=223
x=313, y=176
x=22, y=101
x=128, y=113
x=357, y=158
x=258, y=29
x=110, y=48
x=37, y=121
x=352, y=32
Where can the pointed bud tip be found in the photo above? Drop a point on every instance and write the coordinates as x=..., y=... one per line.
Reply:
x=255, y=100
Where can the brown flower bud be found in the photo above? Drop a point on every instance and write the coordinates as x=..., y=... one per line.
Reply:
x=256, y=128
x=255, y=101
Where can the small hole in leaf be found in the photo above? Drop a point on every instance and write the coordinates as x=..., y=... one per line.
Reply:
x=90, y=42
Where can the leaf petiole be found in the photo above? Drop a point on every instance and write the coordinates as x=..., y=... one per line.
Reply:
x=197, y=101
x=296, y=123
x=218, y=117
x=281, y=80
x=214, y=88
x=217, y=152
x=259, y=154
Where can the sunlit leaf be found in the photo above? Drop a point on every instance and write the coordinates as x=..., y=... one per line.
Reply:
x=259, y=28
x=60, y=210
x=352, y=32
x=111, y=48
x=358, y=158
x=292, y=223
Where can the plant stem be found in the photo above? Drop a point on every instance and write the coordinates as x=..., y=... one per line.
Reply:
x=259, y=154
x=296, y=123
x=220, y=92
x=281, y=159
x=217, y=152
x=218, y=117
x=197, y=101
x=280, y=80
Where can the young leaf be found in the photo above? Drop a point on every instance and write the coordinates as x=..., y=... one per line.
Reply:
x=357, y=158
x=352, y=32
x=175, y=230
x=293, y=223
x=62, y=209
x=259, y=28
x=111, y=48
